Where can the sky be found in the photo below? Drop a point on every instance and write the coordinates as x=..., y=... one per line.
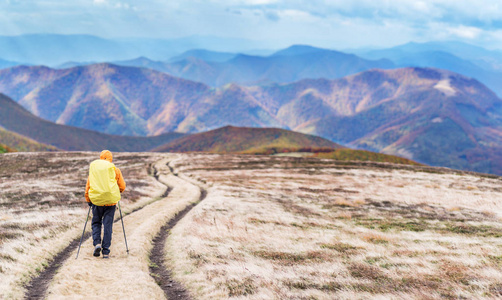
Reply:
x=338, y=24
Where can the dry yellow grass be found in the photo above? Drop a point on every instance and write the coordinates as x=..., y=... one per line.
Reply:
x=275, y=228
x=269, y=228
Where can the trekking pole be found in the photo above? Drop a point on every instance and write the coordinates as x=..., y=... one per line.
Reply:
x=83, y=231
x=122, y=219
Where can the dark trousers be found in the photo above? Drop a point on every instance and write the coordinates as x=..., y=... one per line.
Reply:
x=102, y=215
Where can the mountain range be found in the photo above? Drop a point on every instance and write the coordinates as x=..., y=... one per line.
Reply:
x=288, y=65
x=232, y=61
x=22, y=131
x=189, y=58
x=412, y=112
x=103, y=97
x=227, y=139
x=205, y=55
x=488, y=59
x=476, y=62
x=305, y=62
x=428, y=115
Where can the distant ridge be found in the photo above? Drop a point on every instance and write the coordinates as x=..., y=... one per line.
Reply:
x=288, y=65
x=7, y=64
x=57, y=49
x=298, y=50
x=230, y=139
x=206, y=55
x=469, y=60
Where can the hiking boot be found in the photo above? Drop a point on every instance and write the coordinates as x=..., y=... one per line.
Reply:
x=106, y=256
x=97, y=250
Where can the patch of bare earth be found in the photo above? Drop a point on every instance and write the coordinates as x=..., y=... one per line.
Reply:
x=301, y=228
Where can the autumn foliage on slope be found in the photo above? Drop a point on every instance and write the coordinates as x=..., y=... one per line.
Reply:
x=12, y=142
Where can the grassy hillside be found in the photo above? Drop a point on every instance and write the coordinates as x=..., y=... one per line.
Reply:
x=11, y=142
x=342, y=154
x=362, y=155
x=6, y=149
x=231, y=139
x=16, y=119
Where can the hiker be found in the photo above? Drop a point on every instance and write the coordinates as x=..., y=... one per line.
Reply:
x=102, y=193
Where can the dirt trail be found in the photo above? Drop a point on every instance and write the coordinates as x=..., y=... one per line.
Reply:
x=125, y=276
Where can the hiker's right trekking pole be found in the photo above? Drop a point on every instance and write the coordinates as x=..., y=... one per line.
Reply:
x=83, y=231
x=122, y=219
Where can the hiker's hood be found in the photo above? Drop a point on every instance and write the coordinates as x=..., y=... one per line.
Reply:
x=106, y=155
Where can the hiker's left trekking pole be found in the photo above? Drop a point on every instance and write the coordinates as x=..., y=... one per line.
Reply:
x=83, y=231
x=122, y=219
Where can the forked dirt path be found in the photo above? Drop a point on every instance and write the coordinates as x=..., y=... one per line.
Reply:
x=125, y=276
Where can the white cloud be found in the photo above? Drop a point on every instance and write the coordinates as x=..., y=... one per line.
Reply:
x=465, y=32
x=122, y=5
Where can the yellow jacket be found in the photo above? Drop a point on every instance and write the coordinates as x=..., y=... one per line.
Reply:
x=104, y=190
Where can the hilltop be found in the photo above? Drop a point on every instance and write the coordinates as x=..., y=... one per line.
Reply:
x=231, y=139
x=267, y=141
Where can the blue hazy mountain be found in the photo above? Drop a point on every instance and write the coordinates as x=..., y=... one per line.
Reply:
x=487, y=59
x=8, y=64
x=298, y=50
x=206, y=55
x=288, y=65
x=56, y=49
x=472, y=61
